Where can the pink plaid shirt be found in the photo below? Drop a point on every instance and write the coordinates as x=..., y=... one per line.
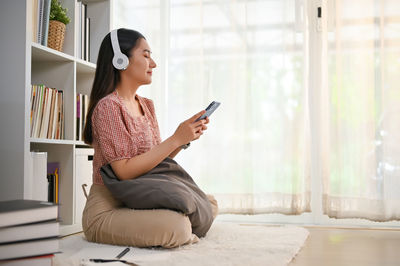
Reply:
x=118, y=135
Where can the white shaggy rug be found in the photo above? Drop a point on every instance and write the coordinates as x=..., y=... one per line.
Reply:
x=225, y=244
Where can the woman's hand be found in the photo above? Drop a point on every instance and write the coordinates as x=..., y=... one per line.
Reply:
x=204, y=127
x=138, y=165
x=190, y=130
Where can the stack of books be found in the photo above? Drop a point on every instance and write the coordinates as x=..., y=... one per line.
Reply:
x=47, y=112
x=84, y=32
x=82, y=108
x=28, y=232
x=40, y=20
x=53, y=177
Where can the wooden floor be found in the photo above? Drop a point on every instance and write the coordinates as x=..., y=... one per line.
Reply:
x=342, y=247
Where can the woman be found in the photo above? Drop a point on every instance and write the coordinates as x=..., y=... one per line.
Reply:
x=123, y=130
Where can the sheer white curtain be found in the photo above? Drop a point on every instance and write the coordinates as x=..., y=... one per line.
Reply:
x=252, y=57
x=362, y=145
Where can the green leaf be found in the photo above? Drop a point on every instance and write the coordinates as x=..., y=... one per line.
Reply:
x=57, y=12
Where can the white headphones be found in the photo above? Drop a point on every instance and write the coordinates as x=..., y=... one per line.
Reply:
x=120, y=61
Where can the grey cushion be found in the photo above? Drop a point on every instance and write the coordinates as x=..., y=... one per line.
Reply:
x=167, y=186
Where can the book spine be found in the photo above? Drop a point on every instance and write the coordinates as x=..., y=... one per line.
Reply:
x=46, y=114
x=40, y=111
x=79, y=44
x=82, y=115
x=83, y=31
x=78, y=115
x=50, y=191
x=46, y=16
x=58, y=115
x=35, y=122
x=87, y=39
x=40, y=20
x=34, y=20
x=51, y=115
x=57, y=182
x=33, y=102
x=86, y=107
x=62, y=115
x=53, y=170
x=54, y=127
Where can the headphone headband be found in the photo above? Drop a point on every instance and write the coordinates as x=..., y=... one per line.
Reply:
x=120, y=61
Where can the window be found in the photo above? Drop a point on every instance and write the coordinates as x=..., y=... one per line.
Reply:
x=299, y=106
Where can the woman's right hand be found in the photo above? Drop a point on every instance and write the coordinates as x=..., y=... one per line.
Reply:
x=190, y=130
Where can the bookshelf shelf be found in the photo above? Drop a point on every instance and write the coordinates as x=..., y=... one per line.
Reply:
x=53, y=141
x=91, y=1
x=30, y=63
x=81, y=143
x=85, y=67
x=43, y=53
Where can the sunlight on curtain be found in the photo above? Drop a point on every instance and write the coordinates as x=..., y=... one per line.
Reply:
x=145, y=17
x=362, y=174
x=252, y=57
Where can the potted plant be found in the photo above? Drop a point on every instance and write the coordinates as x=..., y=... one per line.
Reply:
x=57, y=25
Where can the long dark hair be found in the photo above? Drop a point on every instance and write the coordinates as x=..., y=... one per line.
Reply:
x=107, y=77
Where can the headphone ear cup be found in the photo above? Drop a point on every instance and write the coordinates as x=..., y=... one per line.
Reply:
x=120, y=61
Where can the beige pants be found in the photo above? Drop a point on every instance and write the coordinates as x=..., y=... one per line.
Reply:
x=106, y=220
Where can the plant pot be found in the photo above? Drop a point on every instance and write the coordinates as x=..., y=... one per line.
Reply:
x=55, y=38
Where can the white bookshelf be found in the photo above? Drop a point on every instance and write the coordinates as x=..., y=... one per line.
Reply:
x=26, y=62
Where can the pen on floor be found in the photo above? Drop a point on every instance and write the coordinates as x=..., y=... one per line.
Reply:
x=117, y=258
x=120, y=255
x=112, y=260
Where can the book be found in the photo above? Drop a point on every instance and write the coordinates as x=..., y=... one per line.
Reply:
x=57, y=183
x=46, y=114
x=85, y=112
x=51, y=188
x=82, y=109
x=82, y=125
x=87, y=39
x=53, y=173
x=78, y=116
x=33, y=104
x=39, y=176
x=35, y=111
x=29, y=248
x=38, y=111
x=29, y=232
x=41, y=109
x=55, y=111
x=51, y=116
x=46, y=260
x=83, y=16
x=46, y=18
x=81, y=29
x=62, y=106
x=59, y=99
x=34, y=20
x=14, y=212
x=40, y=20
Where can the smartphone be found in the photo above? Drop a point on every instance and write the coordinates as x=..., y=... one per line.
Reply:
x=209, y=110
